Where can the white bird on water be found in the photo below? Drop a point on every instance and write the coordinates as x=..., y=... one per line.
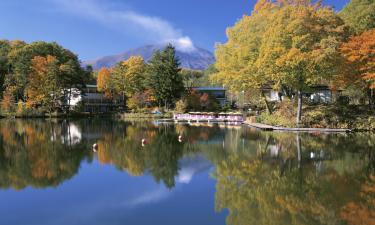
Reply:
x=95, y=147
x=144, y=142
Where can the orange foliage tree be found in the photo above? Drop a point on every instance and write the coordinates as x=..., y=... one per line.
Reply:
x=43, y=82
x=104, y=81
x=359, y=53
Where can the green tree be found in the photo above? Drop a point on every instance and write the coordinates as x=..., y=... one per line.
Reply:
x=164, y=76
x=195, y=78
x=359, y=15
x=4, y=66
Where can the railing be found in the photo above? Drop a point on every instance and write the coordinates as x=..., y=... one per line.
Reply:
x=220, y=118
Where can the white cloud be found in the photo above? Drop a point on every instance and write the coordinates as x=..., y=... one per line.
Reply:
x=149, y=28
x=184, y=44
x=150, y=197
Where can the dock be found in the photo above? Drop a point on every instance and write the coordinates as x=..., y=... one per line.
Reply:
x=198, y=117
x=266, y=127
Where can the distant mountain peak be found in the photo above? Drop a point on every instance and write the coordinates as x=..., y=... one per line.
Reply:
x=195, y=58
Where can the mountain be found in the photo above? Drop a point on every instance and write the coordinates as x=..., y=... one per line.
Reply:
x=197, y=59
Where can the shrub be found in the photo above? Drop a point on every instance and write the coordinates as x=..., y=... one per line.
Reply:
x=181, y=106
x=208, y=103
x=7, y=104
x=275, y=119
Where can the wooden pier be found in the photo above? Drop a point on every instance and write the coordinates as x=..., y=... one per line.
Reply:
x=274, y=128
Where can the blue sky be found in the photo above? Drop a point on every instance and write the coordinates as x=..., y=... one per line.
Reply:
x=94, y=28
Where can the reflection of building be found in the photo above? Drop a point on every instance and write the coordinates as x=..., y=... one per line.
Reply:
x=72, y=135
x=217, y=92
x=92, y=100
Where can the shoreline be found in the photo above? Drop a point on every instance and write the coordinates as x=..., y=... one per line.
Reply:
x=58, y=116
x=167, y=119
x=266, y=127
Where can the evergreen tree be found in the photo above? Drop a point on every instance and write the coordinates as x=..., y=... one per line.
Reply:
x=164, y=76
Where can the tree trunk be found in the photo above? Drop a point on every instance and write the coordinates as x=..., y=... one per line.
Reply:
x=299, y=154
x=70, y=96
x=266, y=102
x=165, y=105
x=299, y=108
x=124, y=98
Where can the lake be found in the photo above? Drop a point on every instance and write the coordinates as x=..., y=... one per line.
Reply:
x=210, y=175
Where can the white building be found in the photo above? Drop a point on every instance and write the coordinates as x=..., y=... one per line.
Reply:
x=92, y=100
x=318, y=94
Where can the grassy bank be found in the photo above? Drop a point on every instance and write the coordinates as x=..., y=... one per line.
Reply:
x=353, y=117
x=36, y=114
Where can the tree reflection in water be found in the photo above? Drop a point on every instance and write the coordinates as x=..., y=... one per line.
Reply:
x=299, y=179
x=30, y=154
x=262, y=177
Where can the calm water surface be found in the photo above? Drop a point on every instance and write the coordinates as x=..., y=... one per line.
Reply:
x=215, y=175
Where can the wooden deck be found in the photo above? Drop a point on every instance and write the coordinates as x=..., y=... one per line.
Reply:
x=274, y=128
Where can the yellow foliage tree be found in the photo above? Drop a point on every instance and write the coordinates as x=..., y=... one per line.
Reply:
x=291, y=44
x=129, y=76
x=236, y=59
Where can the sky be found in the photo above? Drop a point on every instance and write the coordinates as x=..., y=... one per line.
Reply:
x=95, y=28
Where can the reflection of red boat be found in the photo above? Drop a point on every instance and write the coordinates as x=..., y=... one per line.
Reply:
x=209, y=117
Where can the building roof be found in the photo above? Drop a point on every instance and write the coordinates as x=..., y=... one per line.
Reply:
x=208, y=88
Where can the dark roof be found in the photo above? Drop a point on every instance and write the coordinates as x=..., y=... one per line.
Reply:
x=208, y=88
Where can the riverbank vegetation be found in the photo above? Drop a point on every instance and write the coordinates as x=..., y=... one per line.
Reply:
x=334, y=116
x=36, y=78
x=159, y=85
x=292, y=46
x=39, y=79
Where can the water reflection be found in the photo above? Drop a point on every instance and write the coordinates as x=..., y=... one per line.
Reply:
x=261, y=177
x=299, y=179
x=31, y=155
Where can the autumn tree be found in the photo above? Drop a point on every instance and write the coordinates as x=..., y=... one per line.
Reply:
x=209, y=103
x=18, y=66
x=359, y=52
x=139, y=100
x=43, y=83
x=300, y=47
x=288, y=44
x=235, y=65
x=164, y=76
x=104, y=82
x=20, y=61
x=128, y=77
x=359, y=15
